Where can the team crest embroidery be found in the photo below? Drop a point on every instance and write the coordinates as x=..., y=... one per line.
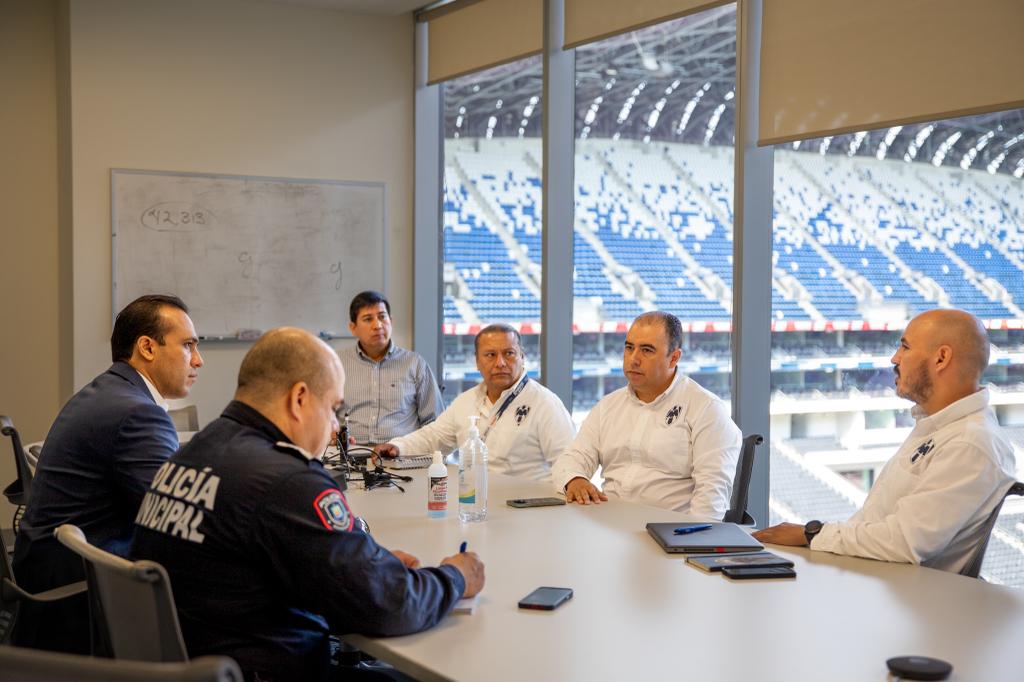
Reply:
x=671, y=415
x=333, y=512
x=923, y=450
x=521, y=413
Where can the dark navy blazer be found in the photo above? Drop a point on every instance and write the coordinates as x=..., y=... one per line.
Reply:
x=96, y=464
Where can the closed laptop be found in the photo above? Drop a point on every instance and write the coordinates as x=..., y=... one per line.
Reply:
x=720, y=538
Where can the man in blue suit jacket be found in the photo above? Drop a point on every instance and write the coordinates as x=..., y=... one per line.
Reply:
x=98, y=461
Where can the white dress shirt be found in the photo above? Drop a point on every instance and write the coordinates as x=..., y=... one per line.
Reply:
x=932, y=498
x=157, y=396
x=678, y=451
x=534, y=429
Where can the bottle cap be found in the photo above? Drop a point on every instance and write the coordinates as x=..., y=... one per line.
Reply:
x=437, y=458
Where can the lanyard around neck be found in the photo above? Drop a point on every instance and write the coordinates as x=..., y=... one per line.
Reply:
x=505, y=405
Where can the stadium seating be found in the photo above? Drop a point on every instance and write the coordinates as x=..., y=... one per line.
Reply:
x=901, y=228
x=653, y=229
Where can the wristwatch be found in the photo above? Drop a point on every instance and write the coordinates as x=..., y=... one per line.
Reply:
x=811, y=529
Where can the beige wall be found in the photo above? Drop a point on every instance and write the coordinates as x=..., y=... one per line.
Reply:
x=29, y=383
x=236, y=87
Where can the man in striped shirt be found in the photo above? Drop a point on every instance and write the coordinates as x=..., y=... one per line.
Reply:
x=389, y=391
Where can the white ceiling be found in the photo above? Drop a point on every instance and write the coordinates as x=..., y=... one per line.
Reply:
x=386, y=7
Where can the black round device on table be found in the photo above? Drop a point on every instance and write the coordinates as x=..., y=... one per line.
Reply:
x=919, y=668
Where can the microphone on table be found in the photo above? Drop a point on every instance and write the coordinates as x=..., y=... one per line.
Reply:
x=343, y=438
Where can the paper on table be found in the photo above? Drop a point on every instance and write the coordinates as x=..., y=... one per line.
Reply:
x=467, y=605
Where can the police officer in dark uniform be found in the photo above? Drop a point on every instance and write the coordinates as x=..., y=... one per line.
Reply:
x=259, y=541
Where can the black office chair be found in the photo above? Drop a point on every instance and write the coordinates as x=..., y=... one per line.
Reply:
x=131, y=606
x=973, y=567
x=741, y=483
x=12, y=595
x=17, y=493
x=31, y=665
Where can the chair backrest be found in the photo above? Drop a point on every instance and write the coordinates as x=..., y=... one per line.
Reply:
x=13, y=595
x=741, y=483
x=131, y=606
x=8, y=602
x=185, y=418
x=17, y=493
x=31, y=665
x=32, y=452
x=973, y=567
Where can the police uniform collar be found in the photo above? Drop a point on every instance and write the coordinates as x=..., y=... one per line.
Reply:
x=249, y=416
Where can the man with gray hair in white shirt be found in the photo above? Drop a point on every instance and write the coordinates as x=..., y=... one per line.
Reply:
x=931, y=500
x=524, y=425
x=662, y=440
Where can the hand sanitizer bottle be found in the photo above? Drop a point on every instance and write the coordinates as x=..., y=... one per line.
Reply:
x=437, y=488
x=473, y=476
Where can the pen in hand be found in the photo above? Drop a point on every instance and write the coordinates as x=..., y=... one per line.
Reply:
x=686, y=530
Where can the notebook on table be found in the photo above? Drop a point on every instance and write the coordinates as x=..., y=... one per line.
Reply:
x=713, y=563
x=719, y=539
x=410, y=462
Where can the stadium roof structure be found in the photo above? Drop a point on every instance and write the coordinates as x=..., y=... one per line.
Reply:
x=676, y=81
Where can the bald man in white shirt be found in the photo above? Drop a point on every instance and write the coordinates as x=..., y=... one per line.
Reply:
x=931, y=500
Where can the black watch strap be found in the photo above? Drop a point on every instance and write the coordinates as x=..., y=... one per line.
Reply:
x=812, y=528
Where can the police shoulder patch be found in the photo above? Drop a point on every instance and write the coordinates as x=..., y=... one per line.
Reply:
x=332, y=510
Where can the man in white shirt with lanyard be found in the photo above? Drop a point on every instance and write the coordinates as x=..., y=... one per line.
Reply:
x=932, y=498
x=524, y=425
x=662, y=440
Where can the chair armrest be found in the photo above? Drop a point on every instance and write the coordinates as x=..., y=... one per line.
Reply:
x=11, y=592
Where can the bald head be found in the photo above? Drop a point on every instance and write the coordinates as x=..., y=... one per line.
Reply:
x=962, y=332
x=282, y=358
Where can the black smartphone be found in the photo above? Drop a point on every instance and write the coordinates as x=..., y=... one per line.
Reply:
x=524, y=502
x=752, y=573
x=546, y=598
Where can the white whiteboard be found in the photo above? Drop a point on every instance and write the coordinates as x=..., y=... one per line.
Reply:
x=247, y=254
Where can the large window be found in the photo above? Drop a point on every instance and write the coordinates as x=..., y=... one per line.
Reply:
x=870, y=229
x=492, y=213
x=654, y=176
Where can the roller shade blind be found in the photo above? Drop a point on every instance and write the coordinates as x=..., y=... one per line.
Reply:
x=590, y=20
x=835, y=66
x=472, y=36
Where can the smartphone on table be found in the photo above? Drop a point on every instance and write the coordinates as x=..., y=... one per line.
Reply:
x=546, y=598
x=753, y=573
x=524, y=502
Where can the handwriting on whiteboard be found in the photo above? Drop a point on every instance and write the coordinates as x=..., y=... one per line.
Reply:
x=177, y=216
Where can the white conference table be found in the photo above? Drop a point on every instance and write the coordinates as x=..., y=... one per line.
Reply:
x=639, y=613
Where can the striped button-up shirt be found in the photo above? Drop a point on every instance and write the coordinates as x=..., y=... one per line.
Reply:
x=389, y=398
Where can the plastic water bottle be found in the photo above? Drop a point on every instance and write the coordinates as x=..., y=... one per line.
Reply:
x=437, y=488
x=473, y=476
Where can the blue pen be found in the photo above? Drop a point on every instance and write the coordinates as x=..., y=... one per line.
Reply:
x=462, y=547
x=686, y=530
